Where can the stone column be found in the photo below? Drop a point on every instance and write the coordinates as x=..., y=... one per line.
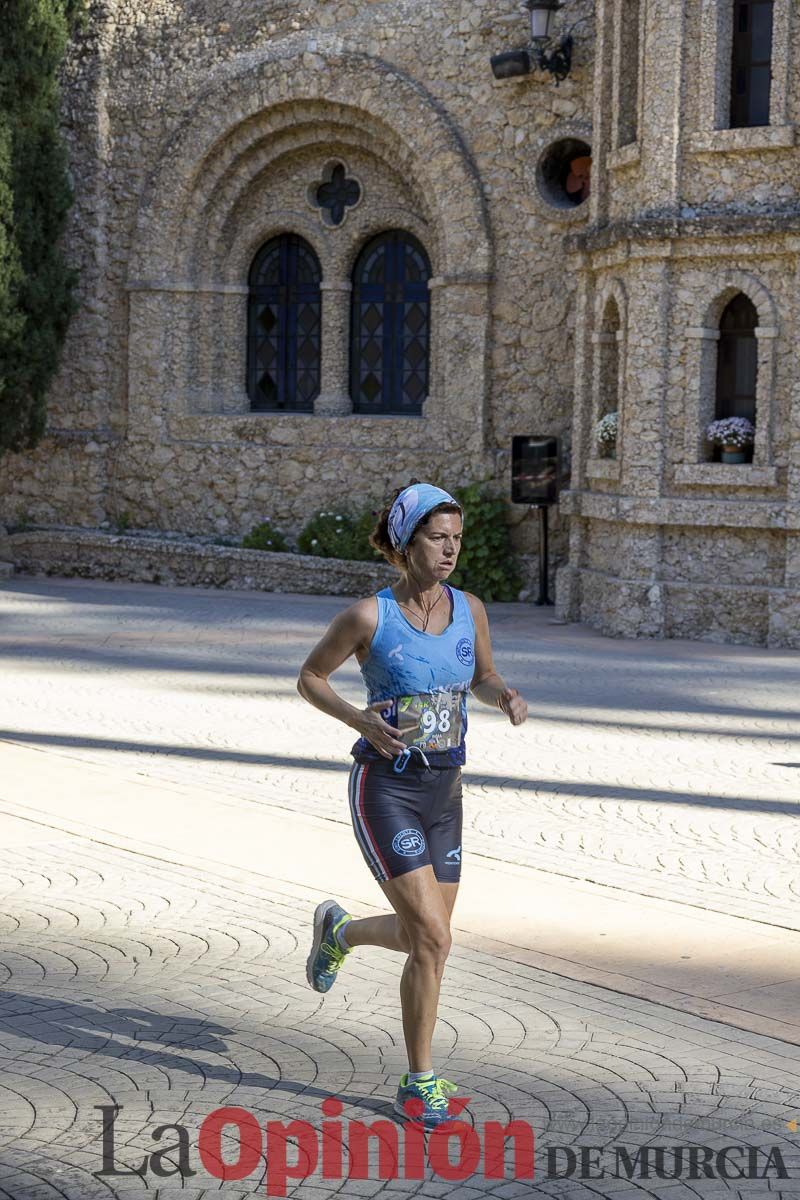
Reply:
x=784, y=606
x=645, y=377
x=231, y=373
x=700, y=400
x=457, y=388
x=602, y=109
x=568, y=582
x=334, y=396
x=661, y=113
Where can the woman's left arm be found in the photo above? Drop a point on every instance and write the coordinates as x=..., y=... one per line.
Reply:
x=489, y=687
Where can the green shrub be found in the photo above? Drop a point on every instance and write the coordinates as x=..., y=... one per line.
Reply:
x=486, y=565
x=36, y=285
x=265, y=537
x=24, y=520
x=339, y=535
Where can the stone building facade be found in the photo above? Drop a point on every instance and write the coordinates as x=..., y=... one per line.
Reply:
x=203, y=132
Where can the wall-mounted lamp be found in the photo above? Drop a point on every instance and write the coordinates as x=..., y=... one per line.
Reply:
x=535, y=57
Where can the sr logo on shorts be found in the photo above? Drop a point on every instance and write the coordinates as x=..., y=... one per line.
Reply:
x=464, y=652
x=408, y=842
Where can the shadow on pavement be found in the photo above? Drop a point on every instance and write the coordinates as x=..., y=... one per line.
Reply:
x=100, y=1031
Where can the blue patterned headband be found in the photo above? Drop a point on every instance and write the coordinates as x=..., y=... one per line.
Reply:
x=410, y=507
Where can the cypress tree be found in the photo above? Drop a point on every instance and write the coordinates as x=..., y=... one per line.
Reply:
x=35, y=282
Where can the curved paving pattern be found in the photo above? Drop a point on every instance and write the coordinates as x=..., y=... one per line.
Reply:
x=132, y=982
x=664, y=769
x=667, y=769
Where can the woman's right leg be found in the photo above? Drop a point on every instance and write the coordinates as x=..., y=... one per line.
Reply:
x=387, y=812
x=421, y=928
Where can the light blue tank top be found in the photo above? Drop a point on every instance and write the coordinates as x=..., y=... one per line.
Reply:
x=404, y=661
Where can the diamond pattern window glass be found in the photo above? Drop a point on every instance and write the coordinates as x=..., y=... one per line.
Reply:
x=283, y=328
x=390, y=326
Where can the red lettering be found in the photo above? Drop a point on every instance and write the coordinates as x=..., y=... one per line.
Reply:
x=332, y=1167
x=469, y=1150
x=279, y=1169
x=210, y=1143
x=358, y=1140
x=494, y=1144
x=414, y=1146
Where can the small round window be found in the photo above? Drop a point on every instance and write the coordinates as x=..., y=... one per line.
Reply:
x=564, y=173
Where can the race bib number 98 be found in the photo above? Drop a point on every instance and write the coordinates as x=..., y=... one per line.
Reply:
x=430, y=720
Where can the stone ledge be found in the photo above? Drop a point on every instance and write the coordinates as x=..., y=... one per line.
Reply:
x=758, y=137
x=726, y=475
x=691, y=512
x=668, y=227
x=367, y=431
x=91, y=554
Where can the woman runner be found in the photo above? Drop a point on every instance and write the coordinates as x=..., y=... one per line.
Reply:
x=422, y=646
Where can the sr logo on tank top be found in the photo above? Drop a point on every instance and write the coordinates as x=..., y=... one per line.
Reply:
x=465, y=652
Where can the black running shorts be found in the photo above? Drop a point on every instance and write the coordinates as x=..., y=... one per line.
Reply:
x=407, y=820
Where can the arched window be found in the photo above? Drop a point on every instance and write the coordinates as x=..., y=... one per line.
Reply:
x=390, y=326
x=607, y=377
x=751, y=62
x=609, y=359
x=283, y=328
x=737, y=360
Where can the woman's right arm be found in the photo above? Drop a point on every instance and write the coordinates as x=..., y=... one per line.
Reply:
x=347, y=631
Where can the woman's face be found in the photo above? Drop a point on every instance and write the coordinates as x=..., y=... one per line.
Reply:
x=435, y=547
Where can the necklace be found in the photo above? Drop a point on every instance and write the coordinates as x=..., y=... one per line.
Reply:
x=427, y=611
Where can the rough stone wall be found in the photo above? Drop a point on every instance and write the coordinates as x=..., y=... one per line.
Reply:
x=664, y=541
x=196, y=131
x=179, y=562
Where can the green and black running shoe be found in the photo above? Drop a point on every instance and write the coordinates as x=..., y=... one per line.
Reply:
x=433, y=1092
x=326, y=955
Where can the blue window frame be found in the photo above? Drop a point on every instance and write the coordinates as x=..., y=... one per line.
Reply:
x=284, y=327
x=390, y=326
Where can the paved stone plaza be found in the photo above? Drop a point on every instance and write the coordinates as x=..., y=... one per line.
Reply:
x=625, y=969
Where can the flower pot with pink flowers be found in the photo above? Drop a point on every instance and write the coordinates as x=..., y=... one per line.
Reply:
x=734, y=436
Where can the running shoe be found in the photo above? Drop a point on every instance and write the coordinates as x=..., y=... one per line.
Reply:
x=433, y=1096
x=326, y=955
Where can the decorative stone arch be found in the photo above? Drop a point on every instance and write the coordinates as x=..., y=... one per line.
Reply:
x=703, y=343
x=280, y=221
x=259, y=115
x=399, y=221
x=210, y=220
x=609, y=357
x=729, y=286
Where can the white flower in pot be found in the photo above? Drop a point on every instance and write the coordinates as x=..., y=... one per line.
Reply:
x=733, y=435
x=606, y=434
